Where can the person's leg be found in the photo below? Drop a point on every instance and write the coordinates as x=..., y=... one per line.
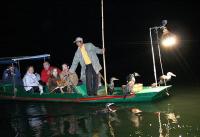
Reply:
x=57, y=91
x=41, y=89
x=61, y=90
x=36, y=89
x=30, y=91
x=42, y=83
x=88, y=79
x=99, y=80
x=95, y=81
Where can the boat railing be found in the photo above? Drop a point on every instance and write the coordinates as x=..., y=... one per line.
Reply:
x=8, y=88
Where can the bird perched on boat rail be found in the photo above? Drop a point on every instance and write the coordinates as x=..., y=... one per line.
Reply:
x=111, y=85
x=130, y=82
x=131, y=77
x=164, y=78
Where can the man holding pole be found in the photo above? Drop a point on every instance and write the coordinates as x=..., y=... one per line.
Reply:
x=86, y=55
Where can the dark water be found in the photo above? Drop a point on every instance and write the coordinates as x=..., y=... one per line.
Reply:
x=175, y=116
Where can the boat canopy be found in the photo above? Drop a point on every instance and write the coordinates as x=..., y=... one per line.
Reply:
x=10, y=60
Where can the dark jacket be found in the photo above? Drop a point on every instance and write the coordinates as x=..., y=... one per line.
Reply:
x=11, y=77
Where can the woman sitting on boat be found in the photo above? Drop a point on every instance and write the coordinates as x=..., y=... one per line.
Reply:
x=31, y=81
x=55, y=84
x=70, y=78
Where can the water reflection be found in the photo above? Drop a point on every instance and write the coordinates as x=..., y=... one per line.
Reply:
x=117, y=120
x=172, y=117
x=34, y=120
x=38, y=120
x=164, y=119
x=136, y=117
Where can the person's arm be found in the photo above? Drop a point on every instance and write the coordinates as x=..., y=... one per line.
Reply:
x=17, y=73
x=27, y=81
x=43, y=76
x=74, y=63
x=49, y=84
x=5, y=75
x=97, y=49
x=37, y=76
x=24, y=81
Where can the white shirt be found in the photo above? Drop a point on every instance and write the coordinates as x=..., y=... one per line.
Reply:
x=30, y=80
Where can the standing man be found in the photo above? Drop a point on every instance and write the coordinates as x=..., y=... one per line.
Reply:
x=86, y=54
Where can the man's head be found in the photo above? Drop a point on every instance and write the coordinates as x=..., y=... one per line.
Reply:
x=11, y=68
x=46, y=65
x=65, y=67
x=79, y=41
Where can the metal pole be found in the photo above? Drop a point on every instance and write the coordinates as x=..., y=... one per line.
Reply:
x=103, y=44
x=153, y=57
x=13, y=78
x=160, y=57
x=18, y=66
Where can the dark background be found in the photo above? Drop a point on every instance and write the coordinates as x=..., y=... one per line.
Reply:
x=38, y=27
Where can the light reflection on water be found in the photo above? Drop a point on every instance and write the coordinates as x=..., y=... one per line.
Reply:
x=177, y=116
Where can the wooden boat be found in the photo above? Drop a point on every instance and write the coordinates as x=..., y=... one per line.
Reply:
x=147, y=94
x=12, y=92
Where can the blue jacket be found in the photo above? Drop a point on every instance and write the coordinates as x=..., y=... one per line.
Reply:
x=8, y=77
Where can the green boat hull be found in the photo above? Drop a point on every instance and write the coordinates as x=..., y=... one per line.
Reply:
x=148, y=94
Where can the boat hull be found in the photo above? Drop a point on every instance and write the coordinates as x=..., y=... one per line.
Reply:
x=147, y=94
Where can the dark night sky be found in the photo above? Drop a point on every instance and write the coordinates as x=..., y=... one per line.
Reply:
x=37, y=27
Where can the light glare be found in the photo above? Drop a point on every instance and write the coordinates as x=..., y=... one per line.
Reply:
x=169, y=41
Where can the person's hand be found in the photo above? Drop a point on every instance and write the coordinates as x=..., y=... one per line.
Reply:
x=103, y=50
x=69, y=72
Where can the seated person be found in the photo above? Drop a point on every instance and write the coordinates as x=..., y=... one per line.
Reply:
x=70, y=78
x=45, y=74
x=11, y=75
x=55, y=84
x=31, y=81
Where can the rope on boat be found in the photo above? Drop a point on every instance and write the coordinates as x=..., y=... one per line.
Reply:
x=102, y=78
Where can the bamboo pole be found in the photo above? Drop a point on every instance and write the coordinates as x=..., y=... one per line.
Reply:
x=103, y=44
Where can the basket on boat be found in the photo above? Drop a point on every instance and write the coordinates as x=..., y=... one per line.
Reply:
x=138, y=87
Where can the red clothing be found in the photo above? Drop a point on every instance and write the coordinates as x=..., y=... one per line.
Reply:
x=45, y=74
